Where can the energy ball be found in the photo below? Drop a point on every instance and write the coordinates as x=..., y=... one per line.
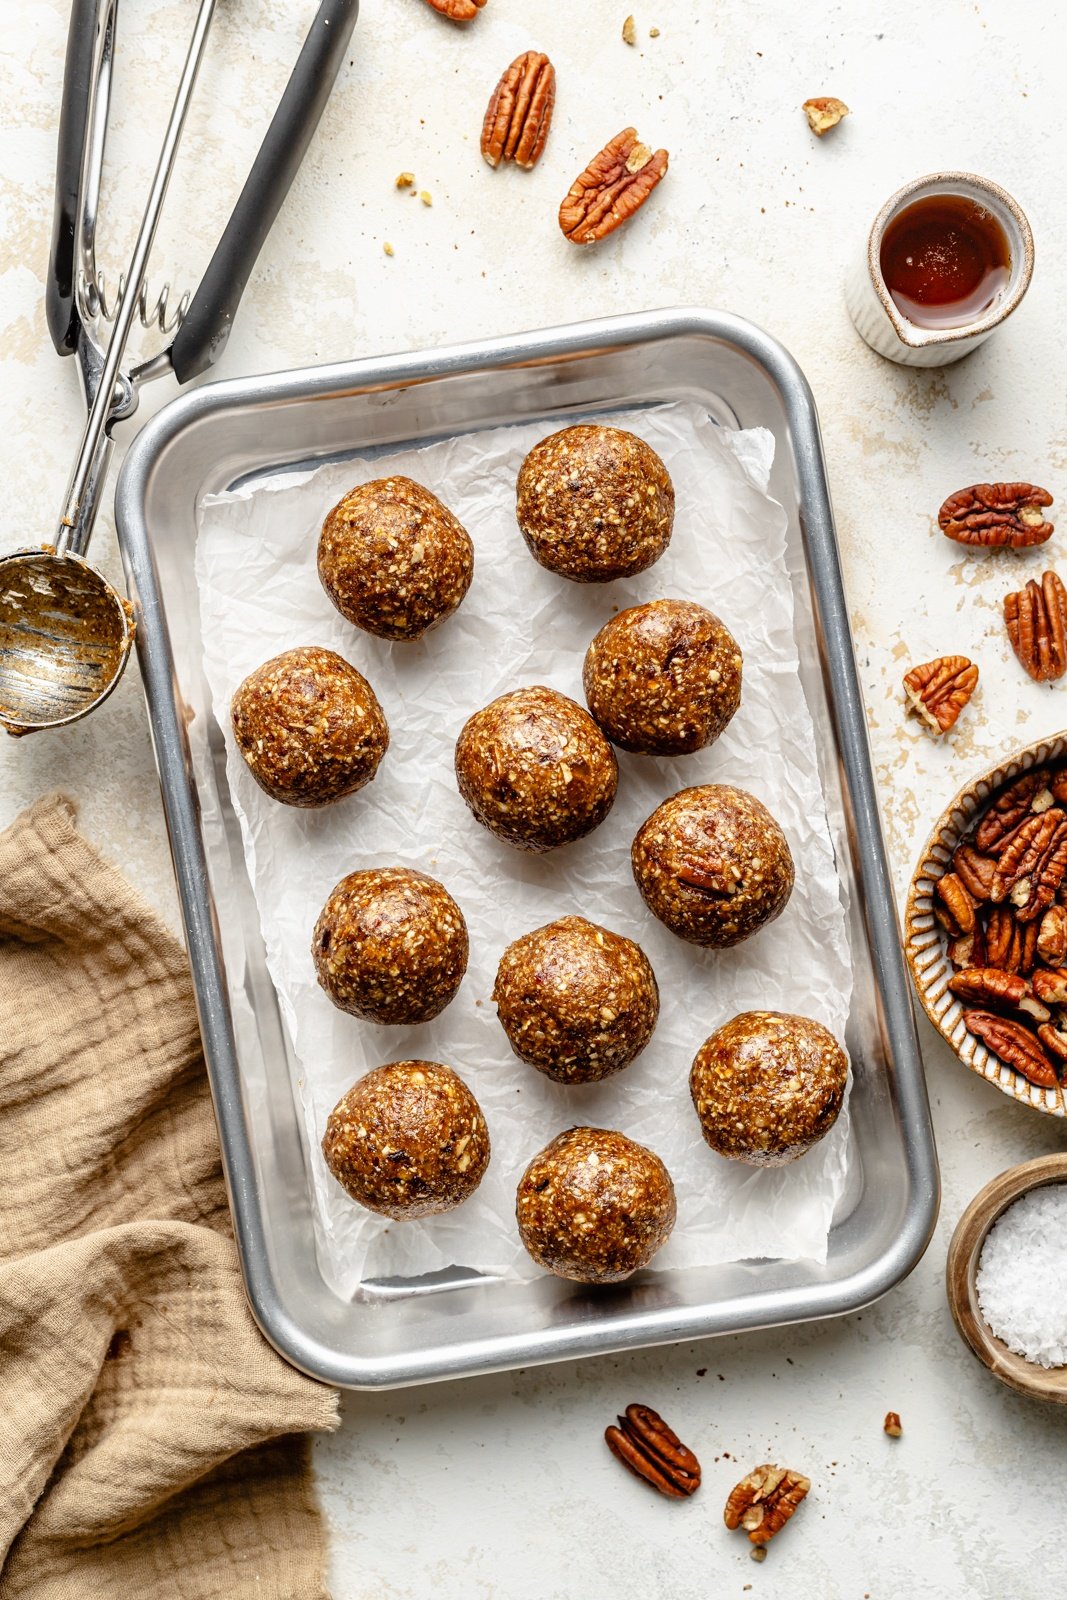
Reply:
x=595, y=503
x=594, y=1206
x=767, y=1086
x=393, y=559
x=575, y=1000
x=390, y=946
x=535, y=769
x=309, y=727
x=713, y=865
x=663, y=679
x=408, y=1140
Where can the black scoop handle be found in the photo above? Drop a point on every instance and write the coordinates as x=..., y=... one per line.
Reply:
x=202, y=336
x=60, y=305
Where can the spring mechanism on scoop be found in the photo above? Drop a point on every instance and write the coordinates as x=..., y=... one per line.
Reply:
x=95, y=301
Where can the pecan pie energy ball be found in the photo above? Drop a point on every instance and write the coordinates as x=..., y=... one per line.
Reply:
x=595, y=503
x=535, y=769
x=390, y=945
x=408, y=1140
x=575, y=1000
x=393, y=559
x=713, y=865
x=663, y=679
x=594, y=1206
x=309, y=727
x=767, y=1086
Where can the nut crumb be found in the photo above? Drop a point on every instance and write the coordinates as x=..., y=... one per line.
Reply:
x=892, y=1425
x=405, y=180
x=758, y=1552
x=426, y=197
x=629, y=31
x=824, y=113
x=387, y=247
x=653, y=33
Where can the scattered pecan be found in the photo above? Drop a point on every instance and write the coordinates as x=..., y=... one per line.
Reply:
x=1055, y=1042
x=763, y=1502
x=892, y=1425
x=644, y=1443
x=1032, y=865
x=1052, y=936
x=824, y=113
x=1028, y=795
x=996, y=514
x=519, y=114
x=1050, y=985
x=974, y=870
x=938, y=690
x=989, y=986
x=457, y=10
x=1036, y=620
x=956, y=901
x=614, y=185
x=1015, y=1045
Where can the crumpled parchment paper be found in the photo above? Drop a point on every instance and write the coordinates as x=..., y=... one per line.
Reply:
x=260, y=594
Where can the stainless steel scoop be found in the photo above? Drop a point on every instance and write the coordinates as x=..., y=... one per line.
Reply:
x=65, y=633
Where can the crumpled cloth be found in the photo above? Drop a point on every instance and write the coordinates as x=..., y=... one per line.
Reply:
x=153, y=1444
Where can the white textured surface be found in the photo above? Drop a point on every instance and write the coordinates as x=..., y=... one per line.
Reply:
x=501, y=1488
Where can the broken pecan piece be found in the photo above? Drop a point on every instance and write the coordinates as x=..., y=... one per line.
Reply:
x=1028, y=795
x=763, y=1502
x=1052, y=936
x=519, y=114
x=1015, y=1045
x=824, y=113
x=1036, y=620
x=974, y=870
x=1032, y=865
x=997, y=514
x=1050, y=985
x=457, y=10
x=989, y=986
x=644, y=1443
x=614, y=185
x=968, y=949
x=938, y=690
x=1055, y=1042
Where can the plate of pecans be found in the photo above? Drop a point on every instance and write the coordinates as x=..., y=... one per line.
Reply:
x=985, y=926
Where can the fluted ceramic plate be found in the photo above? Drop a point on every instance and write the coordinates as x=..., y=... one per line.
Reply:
x=926, y=944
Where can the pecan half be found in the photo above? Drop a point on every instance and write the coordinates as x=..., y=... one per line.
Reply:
x=824, y=113
x=763, y=1502
x=644, y=1443
x=1055, y=1043
x=974, y=870
x=1036, y=620
x=956, y=901
x=1010, y=946
x=938, y=690
x=1028, y=795
x=519, y=114
x=614, y=185
x=457, y=10
x=1015, y=1045
x=997, y=514
x=989, y=986
x=1032, y=865
x=1052, y=936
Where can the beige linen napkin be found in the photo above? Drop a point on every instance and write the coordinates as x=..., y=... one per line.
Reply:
x=149, y=1432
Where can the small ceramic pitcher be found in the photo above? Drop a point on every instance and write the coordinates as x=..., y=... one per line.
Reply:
x=876, y=316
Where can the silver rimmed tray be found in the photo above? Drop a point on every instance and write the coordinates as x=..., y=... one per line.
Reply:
x=456, y=1324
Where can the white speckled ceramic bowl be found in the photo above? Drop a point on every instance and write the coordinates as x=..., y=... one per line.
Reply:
x=925, y=943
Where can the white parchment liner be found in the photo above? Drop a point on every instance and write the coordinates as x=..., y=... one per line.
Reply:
x=260, y=594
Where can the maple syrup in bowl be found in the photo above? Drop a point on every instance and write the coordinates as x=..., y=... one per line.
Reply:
x=945, y=260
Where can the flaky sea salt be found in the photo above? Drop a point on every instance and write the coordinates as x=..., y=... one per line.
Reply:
x=1022, y=1276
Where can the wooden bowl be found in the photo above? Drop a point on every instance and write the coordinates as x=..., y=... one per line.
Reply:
x=961, y=1271
x=925, y=943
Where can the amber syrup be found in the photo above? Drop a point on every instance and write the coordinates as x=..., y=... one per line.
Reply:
x=945, y=259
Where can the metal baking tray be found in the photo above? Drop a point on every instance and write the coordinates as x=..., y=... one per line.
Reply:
x=454, y=1324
